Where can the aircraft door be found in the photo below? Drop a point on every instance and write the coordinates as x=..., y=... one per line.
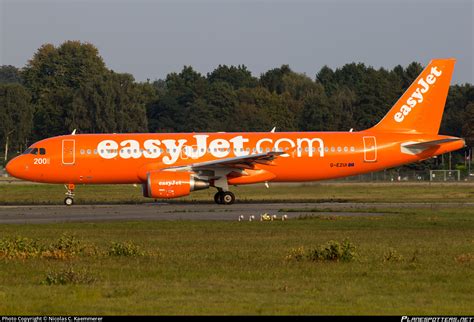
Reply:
x=68, y=152
x=370, y=149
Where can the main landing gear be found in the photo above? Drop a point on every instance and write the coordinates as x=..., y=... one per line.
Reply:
x=69, y=200
x=224, y=197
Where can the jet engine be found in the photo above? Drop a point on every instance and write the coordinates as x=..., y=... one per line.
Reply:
x=168, y=184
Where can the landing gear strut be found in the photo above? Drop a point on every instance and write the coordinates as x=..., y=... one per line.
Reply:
x=224, y=198
x=69, y=200
x=223, y=195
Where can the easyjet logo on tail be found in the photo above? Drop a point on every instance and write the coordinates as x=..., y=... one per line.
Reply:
x=417, y=96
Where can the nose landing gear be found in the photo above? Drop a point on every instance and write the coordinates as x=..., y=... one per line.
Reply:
x=224, y=198
x=69, y=200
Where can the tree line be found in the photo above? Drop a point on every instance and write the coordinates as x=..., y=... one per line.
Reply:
x=67, y=87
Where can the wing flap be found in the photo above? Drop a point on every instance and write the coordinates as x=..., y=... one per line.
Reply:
x=241, y=162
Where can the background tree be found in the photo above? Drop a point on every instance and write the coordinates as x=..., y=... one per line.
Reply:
x=468, y=128
x=9, y=74
x=222, y=102
x=16, y=115
x=316, y=114
x=72, y=88
x=237, y=77
x=169, y=111
x=273, y=79
x=343, y=107
x=459, y=97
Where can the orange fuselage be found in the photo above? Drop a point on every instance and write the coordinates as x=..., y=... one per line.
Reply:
x=310, y=156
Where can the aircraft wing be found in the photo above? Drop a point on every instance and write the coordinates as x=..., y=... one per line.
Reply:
x=241, y=162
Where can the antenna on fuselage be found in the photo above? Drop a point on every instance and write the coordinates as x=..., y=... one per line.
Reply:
x=273, y=130
x=73, y=132
x=351, y=129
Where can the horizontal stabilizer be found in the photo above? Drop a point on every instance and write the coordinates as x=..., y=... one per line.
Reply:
x=429, y=144
x=418, y=147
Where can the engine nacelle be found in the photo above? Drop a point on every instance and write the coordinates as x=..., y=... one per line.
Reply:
x=168, y=184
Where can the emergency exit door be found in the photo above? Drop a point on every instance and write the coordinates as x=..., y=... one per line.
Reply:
x=69, y=155
x=370, y=149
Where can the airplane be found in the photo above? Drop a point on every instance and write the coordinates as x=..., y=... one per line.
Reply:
x=171, y=165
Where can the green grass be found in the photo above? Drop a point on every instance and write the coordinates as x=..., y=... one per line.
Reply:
x=187, y=267
x=353, y=192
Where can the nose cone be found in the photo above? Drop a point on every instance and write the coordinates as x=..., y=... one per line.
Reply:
x=13, y=168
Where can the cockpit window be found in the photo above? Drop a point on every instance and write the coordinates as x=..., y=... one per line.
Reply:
x=35, y=151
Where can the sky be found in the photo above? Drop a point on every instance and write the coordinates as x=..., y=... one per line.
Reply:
x=150, y=39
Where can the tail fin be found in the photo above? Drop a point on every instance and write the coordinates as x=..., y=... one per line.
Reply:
x=420, y=109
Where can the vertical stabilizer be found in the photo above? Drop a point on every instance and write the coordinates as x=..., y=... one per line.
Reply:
x=420, y=109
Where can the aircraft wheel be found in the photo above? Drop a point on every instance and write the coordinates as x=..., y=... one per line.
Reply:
x=228, y=198
x=218, y=198
x=68, y=201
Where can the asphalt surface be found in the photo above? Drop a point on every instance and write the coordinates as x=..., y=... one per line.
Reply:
x=164, y=211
